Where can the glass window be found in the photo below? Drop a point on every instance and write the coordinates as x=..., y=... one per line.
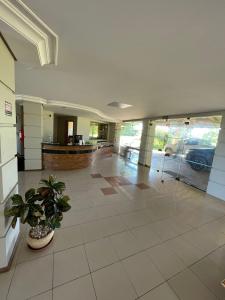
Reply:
x=131, y=134
x=70, y=128
x=184, y=148
x=94, y=130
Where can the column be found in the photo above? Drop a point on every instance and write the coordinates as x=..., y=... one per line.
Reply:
x=33, y=133
x=146, y=145
x=216, y=186
x=8, y=150
x=116, y=138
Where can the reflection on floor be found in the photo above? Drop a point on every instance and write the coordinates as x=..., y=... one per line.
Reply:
x=148, y=241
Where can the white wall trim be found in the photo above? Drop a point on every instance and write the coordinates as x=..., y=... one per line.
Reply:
x=20, y=18
x=21, y=98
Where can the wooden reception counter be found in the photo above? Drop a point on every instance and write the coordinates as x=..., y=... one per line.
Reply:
x=58, y=157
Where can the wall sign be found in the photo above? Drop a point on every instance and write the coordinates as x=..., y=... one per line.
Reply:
x=8, y=108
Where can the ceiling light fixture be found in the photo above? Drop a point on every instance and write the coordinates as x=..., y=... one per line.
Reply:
x=118, y=104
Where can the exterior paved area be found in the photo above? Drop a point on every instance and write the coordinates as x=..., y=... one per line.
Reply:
x=148, y=241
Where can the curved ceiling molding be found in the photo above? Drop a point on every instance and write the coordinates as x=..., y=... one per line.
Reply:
x=63, y=104
x=20, y=17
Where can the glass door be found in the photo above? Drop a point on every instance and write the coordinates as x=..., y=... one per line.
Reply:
x=130, y=139
x=198, y=150
x=184, y=149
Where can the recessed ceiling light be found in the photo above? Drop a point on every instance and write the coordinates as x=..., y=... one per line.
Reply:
x=118, y=104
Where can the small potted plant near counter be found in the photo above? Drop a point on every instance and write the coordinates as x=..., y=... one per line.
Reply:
x=42, y=209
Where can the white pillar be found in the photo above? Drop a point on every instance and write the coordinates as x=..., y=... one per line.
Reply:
x=8, y=150
x=33, y=133
x=146, y=145
x=216, y=186
x=116, y=141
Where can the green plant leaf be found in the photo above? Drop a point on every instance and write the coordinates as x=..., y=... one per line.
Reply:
x=17, y=199
x=13, y=211
x=63, y=205
x=44, y=191
x=32, y=221
x=66, y=198
x=34, y=198
x=44, y=205
x=29, y=194
x=24, y=214
x=14, y=221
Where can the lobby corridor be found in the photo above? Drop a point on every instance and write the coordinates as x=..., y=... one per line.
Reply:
x=127, y=236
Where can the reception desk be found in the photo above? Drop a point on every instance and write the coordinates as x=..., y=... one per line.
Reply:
x=56, y=157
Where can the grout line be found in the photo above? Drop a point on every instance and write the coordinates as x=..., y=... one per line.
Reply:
x=129, y=229
x=119, y=232
x=11, y=282
x=53, y=269
x=39, y=294
x=85, y=251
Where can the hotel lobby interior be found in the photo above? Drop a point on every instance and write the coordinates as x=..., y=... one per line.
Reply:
x=112, y=150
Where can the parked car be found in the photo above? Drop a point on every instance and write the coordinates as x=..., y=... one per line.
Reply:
x=183, y=145
x=200, y=159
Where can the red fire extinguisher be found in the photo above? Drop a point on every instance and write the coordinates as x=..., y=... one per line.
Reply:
x=21, y=135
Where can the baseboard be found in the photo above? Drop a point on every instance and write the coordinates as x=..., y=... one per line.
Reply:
x=8, y=267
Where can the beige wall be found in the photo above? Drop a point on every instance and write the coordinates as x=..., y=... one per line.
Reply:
x=7, y=71
x=33, y=133
x=83, y=127
x=8, y=149
x=48, y=125
x=60, y=127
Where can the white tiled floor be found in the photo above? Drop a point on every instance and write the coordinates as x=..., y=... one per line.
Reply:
x=162, y=243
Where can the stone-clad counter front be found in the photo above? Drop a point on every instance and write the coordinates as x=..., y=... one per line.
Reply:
x=58, y=157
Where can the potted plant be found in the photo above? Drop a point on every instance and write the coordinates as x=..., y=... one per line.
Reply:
x=42, y=209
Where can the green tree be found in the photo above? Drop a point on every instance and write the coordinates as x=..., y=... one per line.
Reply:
x=127, y=129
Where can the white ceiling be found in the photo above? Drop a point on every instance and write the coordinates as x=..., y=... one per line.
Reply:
x=162, y=56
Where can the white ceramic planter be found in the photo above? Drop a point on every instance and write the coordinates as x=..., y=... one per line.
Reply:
x=40, y=243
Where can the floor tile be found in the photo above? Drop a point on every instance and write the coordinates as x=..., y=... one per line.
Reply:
x=126, y=226
x=105, y=211
x=201, y=241
x=96, y=175
x=108, y=191
x=211, y=275
x=188, y=253
x=5, y=280
x=25, y=253
x=100, y=253
x=187, y=286
x=136, y=219
x=113, y=225
x=69, y=264
x=145, y=236
x=162, y=292
x=142, y=273
x=44, y=296
x=164, y=230
x=165, y=260
x=67, y=238
x=112, y=283
x=118, y=181
x=218, y=256
x=125, y=244
x=80, y=289
x=92, y=231
x=31, y=278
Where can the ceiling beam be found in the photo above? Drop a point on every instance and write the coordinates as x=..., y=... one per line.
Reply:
x=19, y=17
